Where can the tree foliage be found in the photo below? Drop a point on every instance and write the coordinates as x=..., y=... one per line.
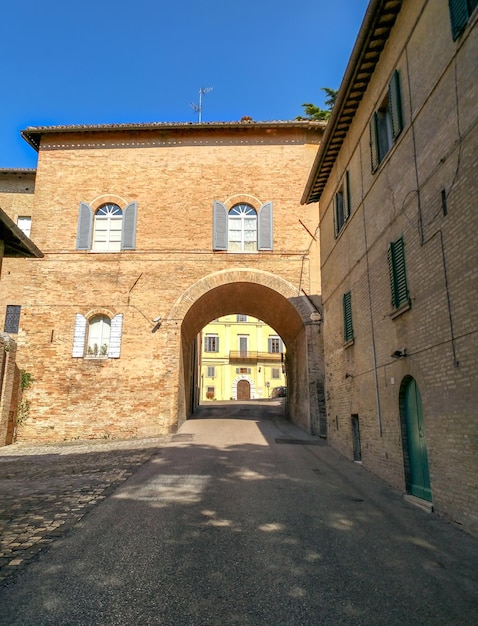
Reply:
x=313, y=112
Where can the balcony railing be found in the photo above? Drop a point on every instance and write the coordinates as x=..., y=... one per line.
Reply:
x=249, y=356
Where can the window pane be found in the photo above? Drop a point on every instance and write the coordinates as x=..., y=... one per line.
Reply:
x=98, y=336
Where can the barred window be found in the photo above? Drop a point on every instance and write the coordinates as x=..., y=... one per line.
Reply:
x=12, y=318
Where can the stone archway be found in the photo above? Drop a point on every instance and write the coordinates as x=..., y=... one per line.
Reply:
x=276, y=302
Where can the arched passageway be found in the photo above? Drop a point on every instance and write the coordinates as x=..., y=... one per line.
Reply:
x=276, y=302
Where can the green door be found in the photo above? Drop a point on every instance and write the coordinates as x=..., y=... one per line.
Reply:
x=419, y=478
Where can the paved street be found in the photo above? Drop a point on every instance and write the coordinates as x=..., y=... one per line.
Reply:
x=239, y=519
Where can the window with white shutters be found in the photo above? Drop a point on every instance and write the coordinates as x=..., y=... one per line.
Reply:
x=97, y=337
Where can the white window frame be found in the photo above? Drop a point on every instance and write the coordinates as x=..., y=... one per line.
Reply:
x=24, y=223
x=108, y=220
x=211, y=343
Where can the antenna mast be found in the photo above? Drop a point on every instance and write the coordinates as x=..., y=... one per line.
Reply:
x=198, y=108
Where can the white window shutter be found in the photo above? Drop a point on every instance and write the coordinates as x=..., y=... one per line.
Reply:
x=114, y=348
x=264, y=227
x=128, y=234
x=219, y=236
x=85, y=223
x=79, y=336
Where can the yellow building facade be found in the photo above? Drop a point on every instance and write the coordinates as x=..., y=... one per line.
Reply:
x=242, y=359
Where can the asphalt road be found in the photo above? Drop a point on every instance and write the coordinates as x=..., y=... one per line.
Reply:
x=245, y=520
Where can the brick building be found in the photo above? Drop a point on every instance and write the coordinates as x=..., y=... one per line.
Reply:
x=13, y=244
x=396, y=179
x=150, y=231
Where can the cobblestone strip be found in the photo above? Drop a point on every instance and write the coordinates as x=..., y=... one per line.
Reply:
x=45, y=490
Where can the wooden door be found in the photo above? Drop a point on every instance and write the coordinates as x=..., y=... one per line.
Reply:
x=243, y=390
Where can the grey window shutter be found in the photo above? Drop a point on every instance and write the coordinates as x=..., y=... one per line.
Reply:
x=219, y=226
x=114, y=349
x=395, y=105
x=128, y=235
x=264, y=227
x=458, y=16
x=346, y=196
x=85, y=223
x=374, y=155
x=79, y=336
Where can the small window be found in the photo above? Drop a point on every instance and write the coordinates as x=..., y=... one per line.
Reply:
x=211, y=372
x=243, y=370
x=24, y=223
x=99, y=329
x=386, y=123
x=274, y=344
x=460, y=13
x=398, y=274
x=211, y=343
x=342, y=205
x=243, y=344
x=348, y=325
x=210, y=393
x=12, y=318
x=275, y=372
x=241, y=318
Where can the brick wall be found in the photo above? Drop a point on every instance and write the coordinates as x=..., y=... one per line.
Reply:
x=433, y=160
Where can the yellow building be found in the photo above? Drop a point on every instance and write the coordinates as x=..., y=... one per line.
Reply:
x=242, y=359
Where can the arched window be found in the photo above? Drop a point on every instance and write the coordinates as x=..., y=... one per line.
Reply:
x=242, y=229
x=108, y=224
x=108, y=229
x=99, y=330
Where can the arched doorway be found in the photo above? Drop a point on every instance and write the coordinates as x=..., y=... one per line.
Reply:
x=243, y=390
x=417, y=475
x=271, y=299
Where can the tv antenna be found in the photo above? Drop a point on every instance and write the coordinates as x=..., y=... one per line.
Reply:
x=198, y=107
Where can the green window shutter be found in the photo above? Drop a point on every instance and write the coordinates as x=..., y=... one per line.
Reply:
x=264, y=227
x=374, y=154
x=398, y=274
x=85, y=223
x=79, y=336
x=395, y=105
x=346, y=196
x=335, y=210
x=348, y=324
x=128, y=234
x=459, y=15
x=219, y=238
x=114, y=348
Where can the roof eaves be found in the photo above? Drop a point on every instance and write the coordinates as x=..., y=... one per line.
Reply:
x=33, y=134
x=378, y=21
x=17, y=244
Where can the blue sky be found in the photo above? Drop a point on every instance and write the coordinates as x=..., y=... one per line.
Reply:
x=99, y=61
